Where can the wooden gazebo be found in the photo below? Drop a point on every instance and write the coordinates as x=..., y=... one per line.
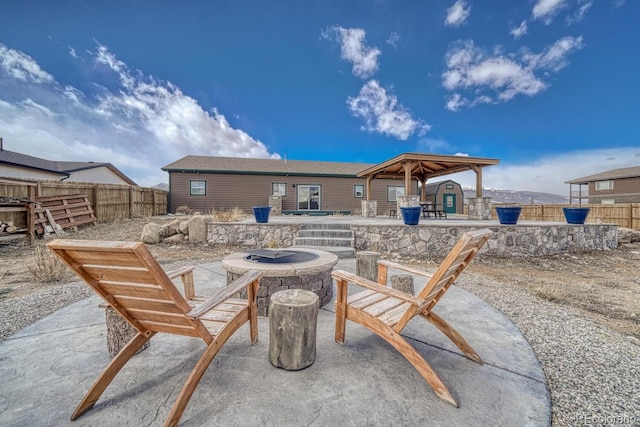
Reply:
x=409, y=166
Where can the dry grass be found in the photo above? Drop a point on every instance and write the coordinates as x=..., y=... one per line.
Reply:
x=234, y=215
x=46, y=267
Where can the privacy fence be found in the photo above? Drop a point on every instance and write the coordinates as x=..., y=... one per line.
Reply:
x=623, y=214
x=108, y=201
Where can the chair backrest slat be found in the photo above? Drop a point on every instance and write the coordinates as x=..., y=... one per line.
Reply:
x=127, y=277
x=456, y=261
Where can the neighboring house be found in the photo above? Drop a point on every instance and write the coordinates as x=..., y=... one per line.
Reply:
x=16, y=165
x=203, y=183
x=447, y=193
x=613, y=186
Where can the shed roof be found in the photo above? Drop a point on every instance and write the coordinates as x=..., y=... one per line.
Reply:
x=632, y=172
x=425, y=166
x=242, y=165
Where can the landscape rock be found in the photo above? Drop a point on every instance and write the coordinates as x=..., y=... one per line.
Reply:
x=197, y=229
x=176, y=238
x=183, y=227
x=151, y=233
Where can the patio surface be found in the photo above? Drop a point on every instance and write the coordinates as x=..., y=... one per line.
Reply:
x=46, y=368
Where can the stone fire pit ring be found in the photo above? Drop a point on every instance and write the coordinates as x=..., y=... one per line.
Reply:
x=309, y=269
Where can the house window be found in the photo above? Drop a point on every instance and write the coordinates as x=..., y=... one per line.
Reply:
x=449, y=186
x=604, y=185
x=393, y=193
x=279, y=188
x=358, y=191
x=607, y=201
x=198, y=188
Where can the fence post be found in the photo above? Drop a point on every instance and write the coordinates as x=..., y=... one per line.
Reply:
x=131, y=201
x=96, y=196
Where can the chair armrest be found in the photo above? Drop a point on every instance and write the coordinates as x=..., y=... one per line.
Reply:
x=408, y=269
x=186, y=275
x=368, y=284
x=222, y=294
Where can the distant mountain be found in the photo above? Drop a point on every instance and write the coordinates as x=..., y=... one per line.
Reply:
x=162, y=186
x=520, y=197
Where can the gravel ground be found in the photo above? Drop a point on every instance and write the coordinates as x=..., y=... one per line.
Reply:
x=591, y=360
x=593, y=372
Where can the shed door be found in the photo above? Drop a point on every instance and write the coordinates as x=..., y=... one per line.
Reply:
x=449, y=203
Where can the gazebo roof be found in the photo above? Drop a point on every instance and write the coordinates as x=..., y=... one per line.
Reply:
x=425, y=166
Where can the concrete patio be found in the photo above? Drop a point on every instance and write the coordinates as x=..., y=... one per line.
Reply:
x=46, y=368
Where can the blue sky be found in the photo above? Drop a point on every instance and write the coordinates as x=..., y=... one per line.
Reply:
x=549, y=87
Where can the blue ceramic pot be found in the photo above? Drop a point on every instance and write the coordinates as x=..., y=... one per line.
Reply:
x=262, y=214
x=576, y=215
x=411, y=214
x=508, y=214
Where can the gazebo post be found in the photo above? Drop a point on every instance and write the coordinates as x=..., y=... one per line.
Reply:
x=407, y=177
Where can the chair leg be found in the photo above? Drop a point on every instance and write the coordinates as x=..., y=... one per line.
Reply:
x=453, y=335
x=417, y=361
x=341, y=302
x=198, y=371
x=109, y=373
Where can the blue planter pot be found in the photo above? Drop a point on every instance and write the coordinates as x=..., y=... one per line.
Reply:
x=411, y=214
x=262, y=214
x=576, y=215
x=508, y=214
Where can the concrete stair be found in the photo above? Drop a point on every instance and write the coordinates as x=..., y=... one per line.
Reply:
x=335, y=238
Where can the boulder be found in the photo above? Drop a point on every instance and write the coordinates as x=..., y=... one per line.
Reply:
x=151, y=233
x=176, y=238
x=197, y=229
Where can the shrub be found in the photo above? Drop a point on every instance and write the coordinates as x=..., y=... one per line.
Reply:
x=47, y=267
x=233, y=215
x=184, y=209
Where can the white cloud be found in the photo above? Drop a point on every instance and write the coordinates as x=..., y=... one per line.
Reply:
x=393, y=39
x=353, y=49
x=457, y=14
x=139, y=126
x=433, y=145
x=549, y=174
x=472, y=70
x=546, y=10
x=21, y=67
x=382, y=113
x=520, y=30
x=579, y=14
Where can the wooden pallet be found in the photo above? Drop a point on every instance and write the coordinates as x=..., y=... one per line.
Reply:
x=56, y=213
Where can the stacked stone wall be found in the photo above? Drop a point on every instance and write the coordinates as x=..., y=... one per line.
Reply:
x=434, y=241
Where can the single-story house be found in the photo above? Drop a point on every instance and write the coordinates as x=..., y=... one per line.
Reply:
x=447, y=193
x=613, y=186
x=17, y=165
x=204, y=183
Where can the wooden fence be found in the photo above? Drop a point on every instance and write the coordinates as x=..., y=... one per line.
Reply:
x=108, y=201
x=626, y=215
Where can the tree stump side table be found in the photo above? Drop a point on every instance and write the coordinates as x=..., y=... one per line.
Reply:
x=403, y=282
x=293, y=316
x=119, y=332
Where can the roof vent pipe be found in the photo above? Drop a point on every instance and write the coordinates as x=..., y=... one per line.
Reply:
x=1, y=149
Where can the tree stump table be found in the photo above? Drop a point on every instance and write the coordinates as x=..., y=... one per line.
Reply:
x=367, y=264
x=293, y=316
x=403, y=282
x=119, y=332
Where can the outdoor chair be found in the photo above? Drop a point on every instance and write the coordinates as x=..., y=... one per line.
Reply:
x=129, y=279
x=387, y=311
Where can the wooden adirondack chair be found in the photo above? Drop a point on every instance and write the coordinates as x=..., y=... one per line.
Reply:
x=387, y=311
x=129, y=279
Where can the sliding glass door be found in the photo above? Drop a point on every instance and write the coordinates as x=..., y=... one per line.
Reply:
x=308, y=197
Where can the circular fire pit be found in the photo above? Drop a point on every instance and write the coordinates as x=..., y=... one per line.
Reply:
x=285, y=268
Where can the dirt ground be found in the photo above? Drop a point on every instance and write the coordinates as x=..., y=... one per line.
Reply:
x=604, y=285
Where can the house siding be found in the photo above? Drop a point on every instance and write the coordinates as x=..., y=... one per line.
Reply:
x=225, y=191
x=625, y=190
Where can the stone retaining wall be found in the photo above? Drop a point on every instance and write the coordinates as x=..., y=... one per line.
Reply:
x=434, y=241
